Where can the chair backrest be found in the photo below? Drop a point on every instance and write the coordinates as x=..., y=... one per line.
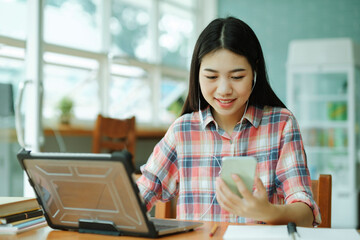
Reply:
x=166, y=209
x=321, y=190
x=322, y=195
x=112, y=134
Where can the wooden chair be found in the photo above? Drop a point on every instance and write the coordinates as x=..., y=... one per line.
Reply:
x=322, y=195
x=165, y=209
x=321, y=190
x=112, y=134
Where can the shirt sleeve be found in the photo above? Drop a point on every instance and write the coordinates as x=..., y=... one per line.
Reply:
x=159, y=180
x=292, y=172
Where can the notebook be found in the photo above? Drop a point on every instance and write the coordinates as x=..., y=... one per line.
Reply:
x=94, y=193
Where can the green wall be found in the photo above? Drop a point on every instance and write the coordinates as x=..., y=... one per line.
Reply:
x=277, y=22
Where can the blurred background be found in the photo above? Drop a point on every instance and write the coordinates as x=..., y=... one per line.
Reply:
x=127, y=58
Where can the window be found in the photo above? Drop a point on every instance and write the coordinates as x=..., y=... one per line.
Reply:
x=74, y=78
x=13, y=18
x=12, y=68
x=117, y=57
x=130, y=93
x=130, y=29
x=73, y=23
x=173, y=91
x=176, y=35
x=156, y=36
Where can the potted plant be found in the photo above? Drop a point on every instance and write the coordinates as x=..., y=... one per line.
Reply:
x=65, y=106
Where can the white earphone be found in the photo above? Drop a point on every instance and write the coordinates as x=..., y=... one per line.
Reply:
x=202, y=127
x=254, y=81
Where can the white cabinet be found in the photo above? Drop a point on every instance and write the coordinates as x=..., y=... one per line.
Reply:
x=323, y=91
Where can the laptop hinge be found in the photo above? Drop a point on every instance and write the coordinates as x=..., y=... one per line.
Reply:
x=98, y=227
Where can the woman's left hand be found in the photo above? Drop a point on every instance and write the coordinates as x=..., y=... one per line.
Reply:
x=252, y=205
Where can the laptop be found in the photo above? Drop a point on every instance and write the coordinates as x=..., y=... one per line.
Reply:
x=93, y=193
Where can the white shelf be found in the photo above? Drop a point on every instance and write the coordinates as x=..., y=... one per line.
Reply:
x=323, y=82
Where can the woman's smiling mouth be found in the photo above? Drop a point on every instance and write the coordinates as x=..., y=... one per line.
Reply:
x=225, y=102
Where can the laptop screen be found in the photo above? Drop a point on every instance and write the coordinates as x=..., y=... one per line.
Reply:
x=71, y=189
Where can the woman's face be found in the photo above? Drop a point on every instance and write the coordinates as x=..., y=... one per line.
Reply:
x=226, y=82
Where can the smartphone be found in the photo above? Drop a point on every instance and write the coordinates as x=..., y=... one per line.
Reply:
x=243, y=166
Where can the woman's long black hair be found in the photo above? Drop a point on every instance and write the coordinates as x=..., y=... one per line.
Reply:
x=235, y=35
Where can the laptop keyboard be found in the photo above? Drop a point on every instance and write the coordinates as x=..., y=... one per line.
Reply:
x=162, y=224
x=159, y=227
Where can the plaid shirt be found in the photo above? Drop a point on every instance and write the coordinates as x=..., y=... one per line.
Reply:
x=188, y=159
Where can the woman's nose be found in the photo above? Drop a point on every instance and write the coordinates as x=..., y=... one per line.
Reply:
x=224, y=86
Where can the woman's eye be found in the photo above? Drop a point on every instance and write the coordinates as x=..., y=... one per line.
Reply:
x=211, y=77
x=237, y=77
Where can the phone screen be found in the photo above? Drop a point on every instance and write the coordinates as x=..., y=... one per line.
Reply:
x=243, y=166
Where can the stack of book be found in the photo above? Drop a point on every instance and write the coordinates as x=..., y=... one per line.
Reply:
x=20, y=214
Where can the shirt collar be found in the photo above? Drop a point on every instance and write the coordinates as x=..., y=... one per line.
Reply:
x=253, y=114
x=207, y=117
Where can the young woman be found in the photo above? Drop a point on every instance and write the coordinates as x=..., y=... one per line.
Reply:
x=231, y=110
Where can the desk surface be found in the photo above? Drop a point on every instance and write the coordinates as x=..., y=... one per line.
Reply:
x=51, y=234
